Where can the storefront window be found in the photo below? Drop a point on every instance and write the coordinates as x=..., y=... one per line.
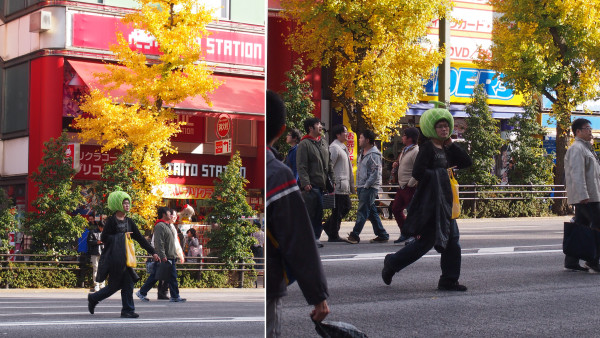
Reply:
x=222, y=7
x=15, y=106
x=13, y=6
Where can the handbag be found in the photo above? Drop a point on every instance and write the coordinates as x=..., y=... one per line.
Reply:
x=454, y=187
x=164, y=271
x=329, y=201
x=580, y=241
x=130, y=251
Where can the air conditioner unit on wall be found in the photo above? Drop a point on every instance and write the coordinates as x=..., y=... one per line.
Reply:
x=40, y=21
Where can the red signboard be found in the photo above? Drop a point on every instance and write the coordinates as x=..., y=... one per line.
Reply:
x=193, y=130
x=99, y=32
x=92, y=161
x=223, y=146
x=223, y=125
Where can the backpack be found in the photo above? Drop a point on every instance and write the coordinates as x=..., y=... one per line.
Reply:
x=82, y=245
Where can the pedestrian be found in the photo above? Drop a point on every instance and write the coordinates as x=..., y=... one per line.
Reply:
x=344, y=183
x=314, y=172
x=163, y=285
x=164, y=242
x=368, y=182
x=291, y=248
x=120, y=276
x=293, y=138
x=258, y=248
x=407, y=184
x=192, y=246
x=430, y=211
x=582, y=178
x=95, y=247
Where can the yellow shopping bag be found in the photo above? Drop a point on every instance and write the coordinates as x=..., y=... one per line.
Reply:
x=455, y=201
x=130, y=251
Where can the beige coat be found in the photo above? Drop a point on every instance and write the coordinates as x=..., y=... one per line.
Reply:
x=342, y=168
x=406, y=161
x=582, y=173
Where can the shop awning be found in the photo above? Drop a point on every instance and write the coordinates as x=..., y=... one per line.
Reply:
x=459, y=110
x=240, y=97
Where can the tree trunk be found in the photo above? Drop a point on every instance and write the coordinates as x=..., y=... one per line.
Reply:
x=562, y=113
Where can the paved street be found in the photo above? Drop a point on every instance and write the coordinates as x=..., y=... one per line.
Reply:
x=512, y=267
x=63, y=313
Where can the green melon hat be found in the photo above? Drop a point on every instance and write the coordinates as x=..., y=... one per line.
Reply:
x=432, y=116
x=115, y=200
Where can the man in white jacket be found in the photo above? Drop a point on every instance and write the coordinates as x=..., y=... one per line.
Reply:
x=344, y=182
x=582, y=178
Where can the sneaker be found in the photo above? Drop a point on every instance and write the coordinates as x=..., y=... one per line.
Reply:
x=129, y=315
x=451, y=287
x=593, y=268
x=319, y=244
x=352, y=239
x=177, y=300
x=91, y=304
x=96, y=288
x=576, y=268
x=379, y=239
x=387, y=273
x=142, y=297
x=410, y=241
x=401, y=239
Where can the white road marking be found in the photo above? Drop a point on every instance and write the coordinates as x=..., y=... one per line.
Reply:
x=496, y=250
x=134, y=321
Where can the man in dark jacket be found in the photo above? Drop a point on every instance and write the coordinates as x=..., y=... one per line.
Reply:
x=164, y=244
x=95, y=247
x=314, y=170
x=291, y=248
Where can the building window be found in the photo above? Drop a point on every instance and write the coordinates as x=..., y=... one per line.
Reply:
x=15, y=103
x=222, y=7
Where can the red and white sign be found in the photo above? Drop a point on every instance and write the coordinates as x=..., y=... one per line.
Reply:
x=223, y=125
x=92, y=162
x=99, y=32
x=223, y=146
x=72, y=152
x=180, y=191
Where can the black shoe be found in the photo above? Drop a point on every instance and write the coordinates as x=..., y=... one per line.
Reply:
x=387, y=273
x=401, y=239
x=129, y=315
x=451, y=287
x=576, y=268
x=379, y=239
x=91, y=304
x=337, y=239
x=593, y=268
x=352, y=239
x=161, y=297
x=319, y=244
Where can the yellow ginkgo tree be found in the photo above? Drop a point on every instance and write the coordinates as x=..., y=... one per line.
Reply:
x=375, y=49
x=552, y=48
x=142, y=119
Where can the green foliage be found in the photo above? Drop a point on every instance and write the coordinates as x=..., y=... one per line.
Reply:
x=483, y=140
x=231, y=240
x=20, y=278
x=8, y=219
x=51, y=226
x=118, y=176
x=506, y=208
x=298, y=102
x=532, y=165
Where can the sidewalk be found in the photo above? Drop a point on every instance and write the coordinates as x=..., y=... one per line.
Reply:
x=392, y=228
x=226, y=295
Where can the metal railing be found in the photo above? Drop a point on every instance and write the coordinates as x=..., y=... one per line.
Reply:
x=478, y=192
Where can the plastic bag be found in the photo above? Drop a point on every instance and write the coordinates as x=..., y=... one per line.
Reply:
x=130, y=251
x=455, y=201
x=338, y=330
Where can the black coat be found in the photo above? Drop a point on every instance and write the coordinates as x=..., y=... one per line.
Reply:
x=430, y=209
x=94, y=249
x=113, y=259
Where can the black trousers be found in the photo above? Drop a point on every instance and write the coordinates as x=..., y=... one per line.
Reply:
x=585, y=214
x=342, y=208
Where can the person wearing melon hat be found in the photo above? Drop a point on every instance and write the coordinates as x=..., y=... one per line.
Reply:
x=120, y=276
x=429, y=215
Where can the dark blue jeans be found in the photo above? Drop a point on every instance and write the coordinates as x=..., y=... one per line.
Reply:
x=313, y=200
x=151, y=281
x=367, y=210
x=123, y=283
x=450, y=260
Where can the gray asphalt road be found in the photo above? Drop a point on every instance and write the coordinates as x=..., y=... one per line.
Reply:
x=63, y=313
x=513, y=268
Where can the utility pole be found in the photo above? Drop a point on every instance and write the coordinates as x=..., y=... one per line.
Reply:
x=444, y=68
